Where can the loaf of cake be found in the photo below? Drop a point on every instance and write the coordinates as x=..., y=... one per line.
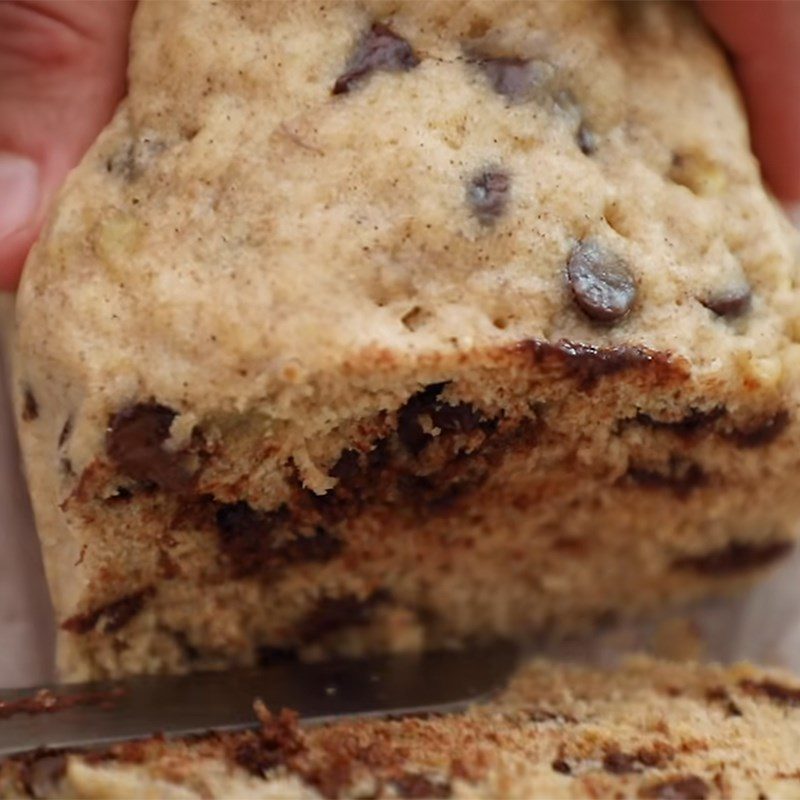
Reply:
x=650, y=730
x=385, y=325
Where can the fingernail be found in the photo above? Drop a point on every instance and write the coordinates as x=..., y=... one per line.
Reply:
x=19, y=192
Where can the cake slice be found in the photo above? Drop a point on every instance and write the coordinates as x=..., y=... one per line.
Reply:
x=649, y=730
x=384, y=325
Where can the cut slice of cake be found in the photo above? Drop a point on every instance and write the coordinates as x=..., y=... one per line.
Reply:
x=382, y=325
x=649, y=730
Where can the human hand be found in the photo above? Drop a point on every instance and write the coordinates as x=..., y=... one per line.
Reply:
x=62, y=73
x=763, y=36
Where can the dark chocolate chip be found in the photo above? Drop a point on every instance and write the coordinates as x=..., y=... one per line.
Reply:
x=619, y=763
x=680, y=475
x=317, y=548
x=111, y=617
x=121, y=495
x=543, y=715
x=380, y=49
x=514, y=78
x=761, y=433
x=457, y=418
x=694, y=422
x=43, y=772
x=587, y=364
x=559, y=765
x=409, y=429
x=460, y=418
x=602, y=283
x=131, y=159
x=122, y=162
x=777, y=692
x=735, y=557
x=66, y=431
x=134, y=441
x=266, y=655
x=30, y=406
x=719, y=694
x=730, y=302
x=487, y=194
x=334, y=613
x=414, y=785
x=586, y=139
x=247, y=536
x=688, y=787
x=347, y=467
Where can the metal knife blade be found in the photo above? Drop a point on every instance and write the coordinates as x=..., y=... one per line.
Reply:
x=95, y=714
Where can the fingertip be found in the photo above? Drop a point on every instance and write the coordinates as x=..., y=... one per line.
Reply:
x=764, y=40
x=13, y=251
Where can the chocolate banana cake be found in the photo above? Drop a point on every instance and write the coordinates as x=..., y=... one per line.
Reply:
x=383, y=325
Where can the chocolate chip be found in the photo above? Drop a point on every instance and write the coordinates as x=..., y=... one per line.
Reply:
x=731, y=302
x=131, y=159
x=487, y=194
x=619, y=763
x=333, y=613
x=587, y=141
x=43, y=772
x=456, y=418
x=680, y=475
x=559, y=765
x=320, y=548
x=760, y=433
x=409, y=429
x=66, y=431
x=543, y=715
x=266, y=655
x=246, y=536
x=514, y=78
x=735, y=557
x=694, y=422
x=30, y=407
x=777, y=692
x=414, y=785
x=688, y=787
x=347, y=467
x=248, y=539
x=111, y=617
x=134, y=441
x=121, y=495
x=587, y=364
x=718, y=694
x=459, y=418
x=380, y=49
x=601, y=282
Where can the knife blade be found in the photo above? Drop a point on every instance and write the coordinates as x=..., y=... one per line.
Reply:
x=101, y=713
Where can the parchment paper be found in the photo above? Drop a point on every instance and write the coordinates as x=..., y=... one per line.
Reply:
x=762, y=625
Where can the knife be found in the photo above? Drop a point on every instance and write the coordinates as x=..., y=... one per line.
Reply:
x=101, y=713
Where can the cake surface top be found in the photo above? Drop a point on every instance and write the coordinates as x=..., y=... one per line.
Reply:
x=317, y=185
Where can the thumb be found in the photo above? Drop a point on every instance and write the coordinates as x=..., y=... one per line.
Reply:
x=62, y=72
